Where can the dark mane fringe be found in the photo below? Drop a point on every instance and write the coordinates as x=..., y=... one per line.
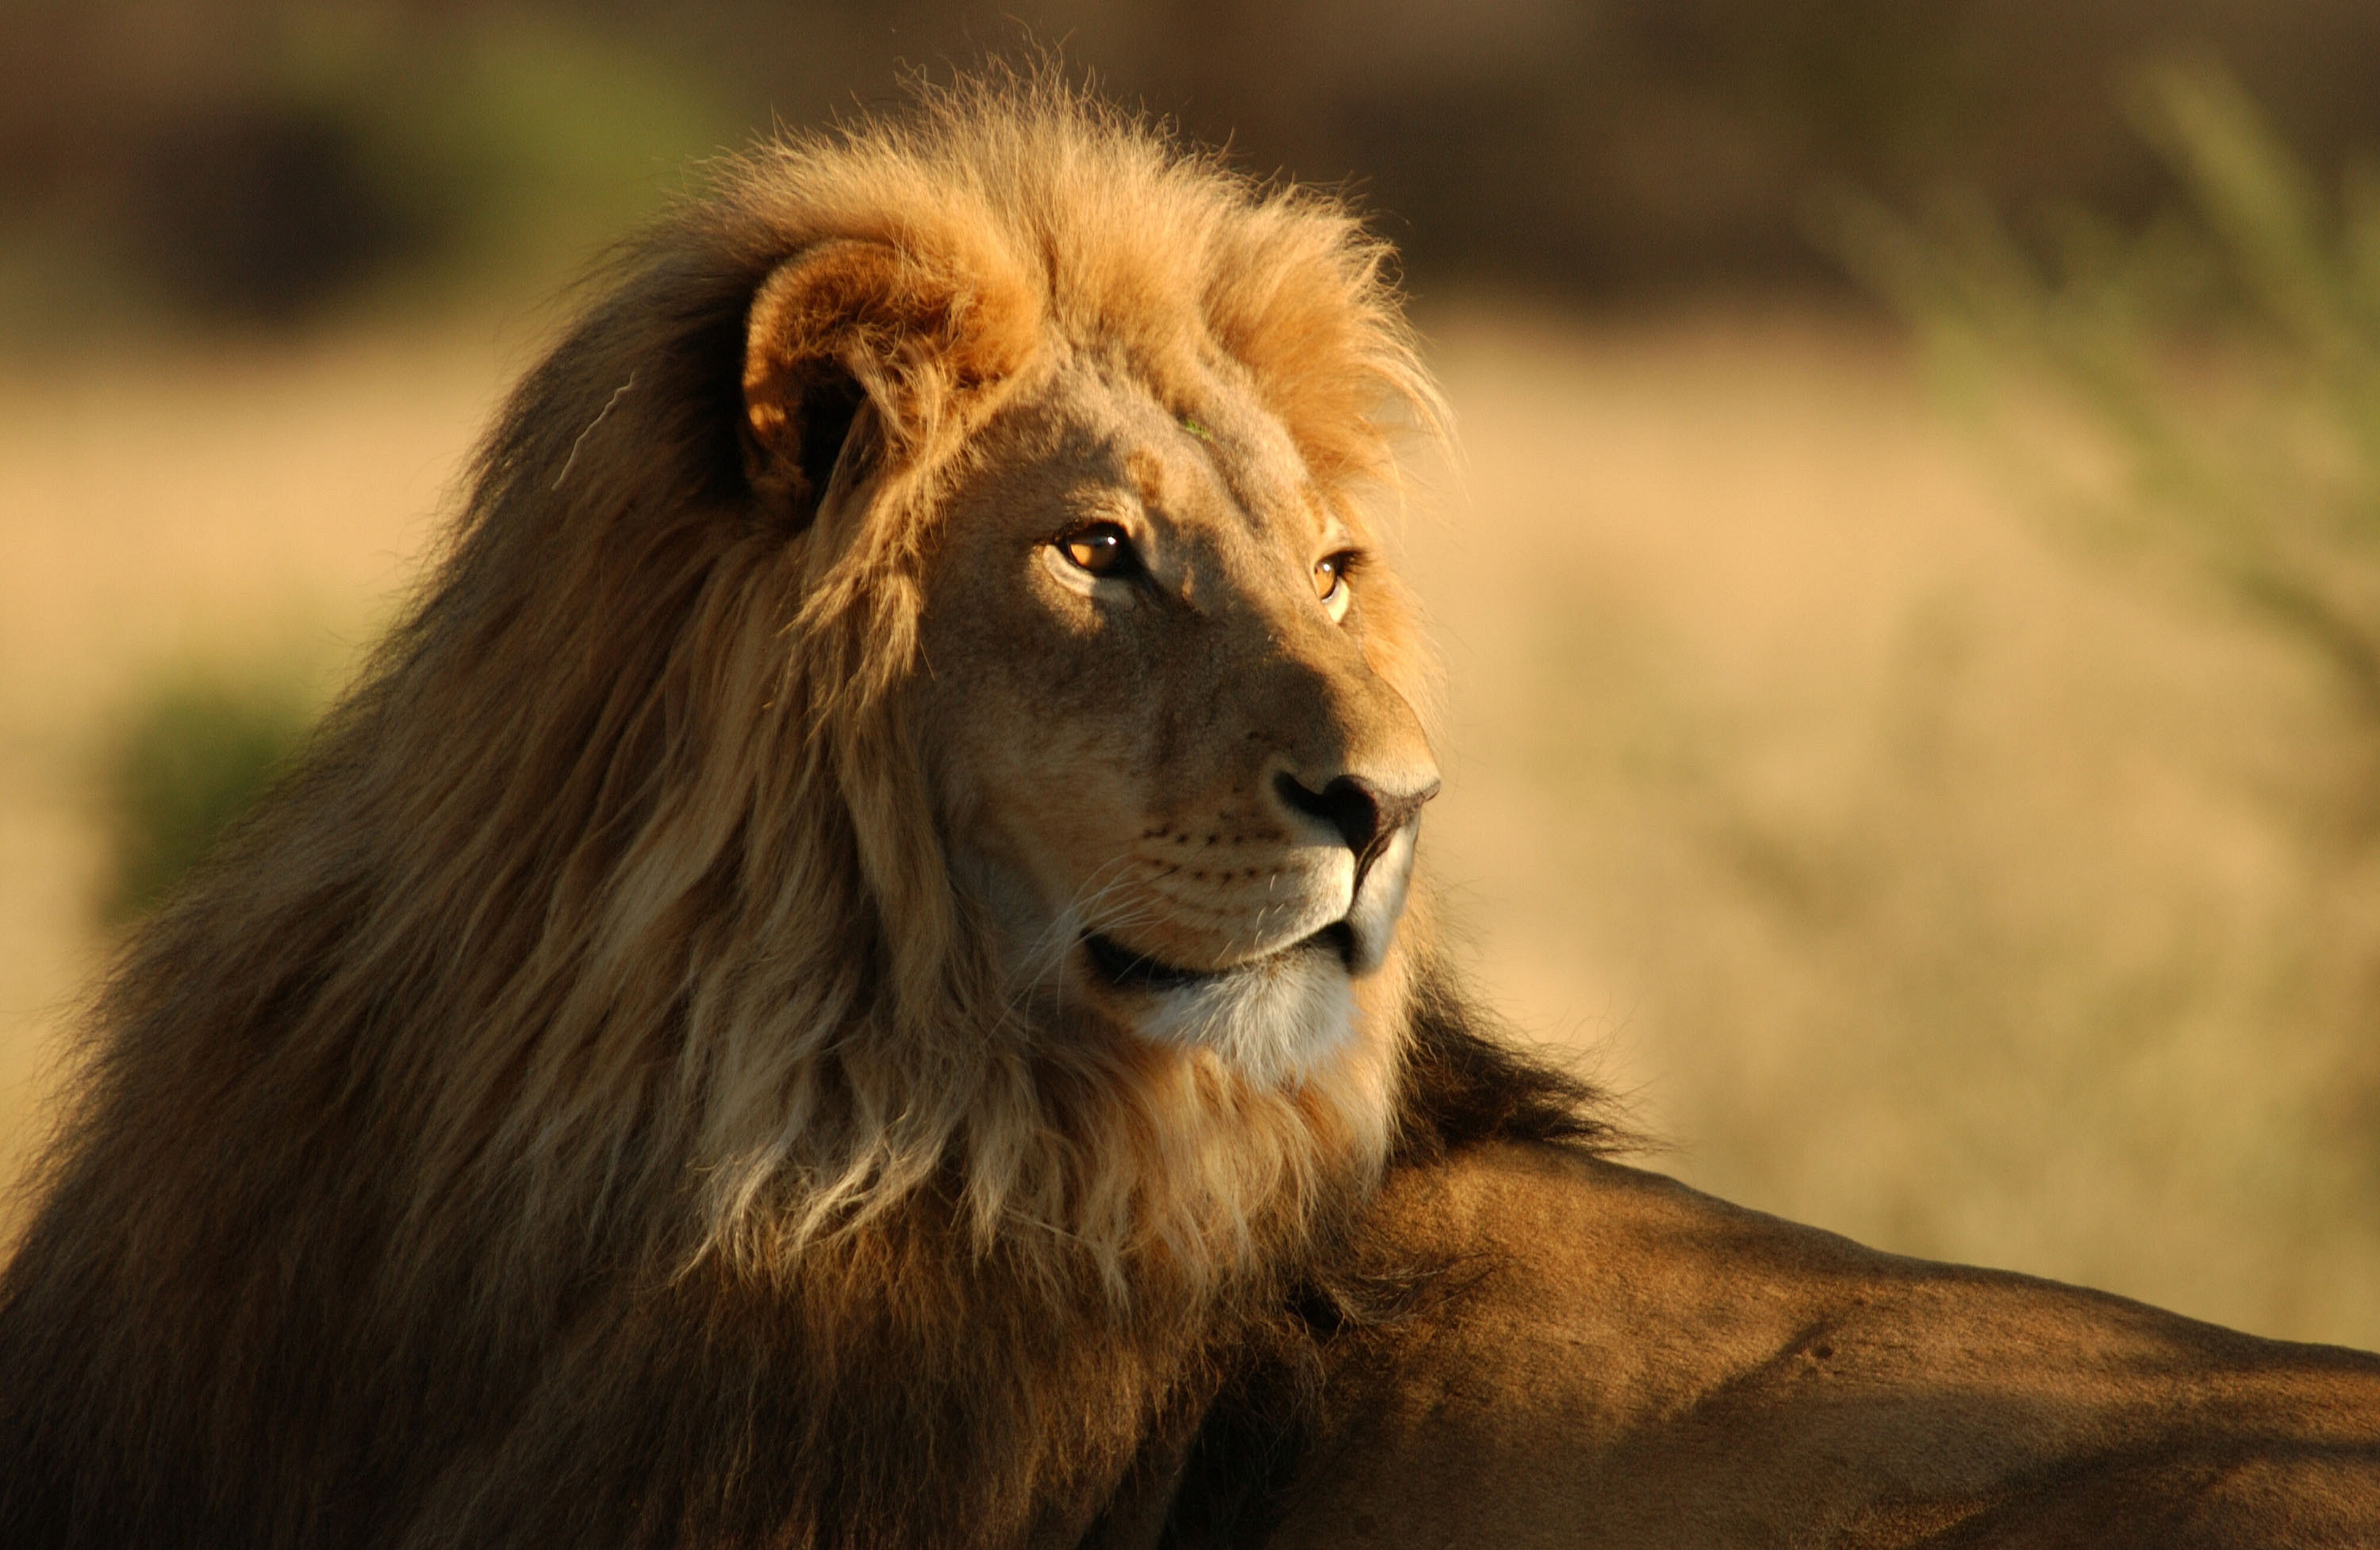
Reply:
x=1468, y=1080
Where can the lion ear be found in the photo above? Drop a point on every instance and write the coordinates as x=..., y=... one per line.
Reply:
x=849, y=322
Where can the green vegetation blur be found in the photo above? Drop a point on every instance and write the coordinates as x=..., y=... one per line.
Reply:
x=260, y=161
x=192, y=757
x=2226, y=354
x=336, y=158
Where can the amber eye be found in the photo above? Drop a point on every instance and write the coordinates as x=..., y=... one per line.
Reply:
x=1330, y=581
x=1103, y=549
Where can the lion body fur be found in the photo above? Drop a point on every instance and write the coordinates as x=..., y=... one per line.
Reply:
x=787, y=1011
x=1630, y=1365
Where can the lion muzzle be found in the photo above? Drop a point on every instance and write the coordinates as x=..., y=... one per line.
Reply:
x=1378, y=818
x=1278, y=1013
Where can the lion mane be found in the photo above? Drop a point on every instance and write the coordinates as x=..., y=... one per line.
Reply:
x=578, y=1109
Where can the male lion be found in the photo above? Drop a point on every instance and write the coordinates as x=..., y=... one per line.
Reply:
x=840, y=984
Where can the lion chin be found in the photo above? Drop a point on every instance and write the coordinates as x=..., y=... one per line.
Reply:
x=1277, y=1018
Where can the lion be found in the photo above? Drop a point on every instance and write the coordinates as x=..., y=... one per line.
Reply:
x=838, y=966
x=851, y=975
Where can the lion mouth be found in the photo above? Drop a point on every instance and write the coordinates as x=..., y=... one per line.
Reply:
x=1125, y=970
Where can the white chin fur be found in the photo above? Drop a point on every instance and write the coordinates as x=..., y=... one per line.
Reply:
x=1275, y=1020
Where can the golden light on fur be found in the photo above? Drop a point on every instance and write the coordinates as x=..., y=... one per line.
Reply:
x=842, y=1038
x=694, y=986
x=939, y=259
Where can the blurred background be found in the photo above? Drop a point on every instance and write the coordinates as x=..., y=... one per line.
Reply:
x=1912, y=588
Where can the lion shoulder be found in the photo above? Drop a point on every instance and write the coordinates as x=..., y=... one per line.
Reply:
x=1612, y=1350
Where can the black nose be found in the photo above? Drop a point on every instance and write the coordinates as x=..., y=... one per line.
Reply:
x=1361, y=811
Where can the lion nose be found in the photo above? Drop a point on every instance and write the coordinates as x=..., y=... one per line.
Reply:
x=1366, y=814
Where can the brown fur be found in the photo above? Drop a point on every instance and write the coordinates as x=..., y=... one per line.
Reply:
x=591, y=1105
x=1625, y=1363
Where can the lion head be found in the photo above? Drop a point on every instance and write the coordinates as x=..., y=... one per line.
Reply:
x=1020, y=778
x=913, y=706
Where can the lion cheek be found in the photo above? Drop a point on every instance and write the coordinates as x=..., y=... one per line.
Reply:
x=1003, y=898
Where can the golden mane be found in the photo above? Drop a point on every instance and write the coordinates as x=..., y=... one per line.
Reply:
x=726, y=912
x=589, y=1038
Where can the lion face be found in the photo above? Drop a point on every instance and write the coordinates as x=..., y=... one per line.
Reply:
x=1170, y=774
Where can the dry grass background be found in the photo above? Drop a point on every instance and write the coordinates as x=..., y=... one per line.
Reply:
x=1915, y=874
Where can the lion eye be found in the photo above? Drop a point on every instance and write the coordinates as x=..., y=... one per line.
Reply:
x=1103, y=549
x=1331, y=582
